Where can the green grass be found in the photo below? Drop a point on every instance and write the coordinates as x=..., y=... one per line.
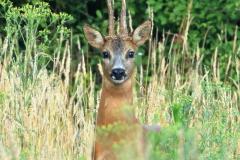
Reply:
x=44, y=116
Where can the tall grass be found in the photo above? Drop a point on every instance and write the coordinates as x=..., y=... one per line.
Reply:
x=44, y=116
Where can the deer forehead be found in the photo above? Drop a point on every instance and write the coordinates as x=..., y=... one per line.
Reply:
x=119, y=45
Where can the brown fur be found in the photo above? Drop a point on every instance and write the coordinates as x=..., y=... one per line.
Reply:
x=119, y=134
x=115, y=109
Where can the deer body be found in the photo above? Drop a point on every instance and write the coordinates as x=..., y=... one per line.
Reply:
x=115, y=109
x=118, y=130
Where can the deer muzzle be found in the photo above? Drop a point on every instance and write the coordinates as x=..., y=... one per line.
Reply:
x=118, y=74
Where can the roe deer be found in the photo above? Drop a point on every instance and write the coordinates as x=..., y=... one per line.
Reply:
x=119, y=134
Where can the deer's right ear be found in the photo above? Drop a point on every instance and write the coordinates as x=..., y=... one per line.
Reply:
x=93, y=37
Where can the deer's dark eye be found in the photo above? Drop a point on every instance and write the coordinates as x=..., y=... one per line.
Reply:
x=106, y=55
x=130, y=54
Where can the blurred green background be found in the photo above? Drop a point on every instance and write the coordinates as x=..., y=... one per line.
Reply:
x=209, y=17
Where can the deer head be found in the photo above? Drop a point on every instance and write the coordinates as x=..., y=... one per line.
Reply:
x=118, y=50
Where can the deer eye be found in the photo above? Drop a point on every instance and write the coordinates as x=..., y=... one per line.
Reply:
x=106, y=55
x=130, y=54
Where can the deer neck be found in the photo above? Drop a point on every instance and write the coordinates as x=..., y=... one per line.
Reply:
x=116, y=103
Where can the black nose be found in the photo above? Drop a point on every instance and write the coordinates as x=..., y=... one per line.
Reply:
x=118, y=74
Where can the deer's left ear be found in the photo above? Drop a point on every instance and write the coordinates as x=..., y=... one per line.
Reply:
x=142, y=33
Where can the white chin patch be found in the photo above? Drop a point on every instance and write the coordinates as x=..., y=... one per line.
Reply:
x=114, y=79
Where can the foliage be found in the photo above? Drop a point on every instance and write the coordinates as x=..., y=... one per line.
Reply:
x=210, y=23
x=35, y=29
x=37, y=21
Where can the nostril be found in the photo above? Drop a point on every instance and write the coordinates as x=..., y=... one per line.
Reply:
x=118, y=73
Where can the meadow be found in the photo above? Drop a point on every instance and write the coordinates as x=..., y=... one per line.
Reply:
x=48, y=109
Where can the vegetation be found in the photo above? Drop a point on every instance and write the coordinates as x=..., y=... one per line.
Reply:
x=187, y=82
